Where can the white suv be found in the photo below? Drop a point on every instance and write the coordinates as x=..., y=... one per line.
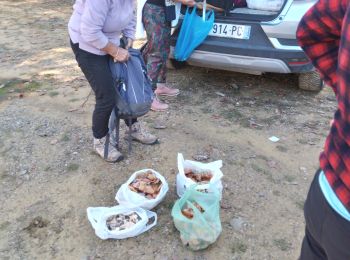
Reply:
x=256, y=41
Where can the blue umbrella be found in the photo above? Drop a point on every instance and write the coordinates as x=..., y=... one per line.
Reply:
x=194, y=30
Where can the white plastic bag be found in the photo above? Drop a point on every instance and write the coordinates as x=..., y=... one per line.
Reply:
x=266, y=5
x=99, y=215
x=140, y=30
x=183, y=183
x=129, y=198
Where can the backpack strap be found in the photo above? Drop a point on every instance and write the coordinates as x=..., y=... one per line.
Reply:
x=117, y=125
x=129, y=136
x=105, y=154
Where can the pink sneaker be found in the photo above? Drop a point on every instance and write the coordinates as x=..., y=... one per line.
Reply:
x=164, y=90
x=158, y=106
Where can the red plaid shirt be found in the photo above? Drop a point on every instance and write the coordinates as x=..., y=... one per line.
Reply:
x=324, y=35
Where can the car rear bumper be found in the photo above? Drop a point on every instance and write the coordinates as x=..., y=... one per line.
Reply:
x=253, y=65
x=245, y=64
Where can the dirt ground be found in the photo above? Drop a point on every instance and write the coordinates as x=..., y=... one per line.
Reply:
x=49, y=175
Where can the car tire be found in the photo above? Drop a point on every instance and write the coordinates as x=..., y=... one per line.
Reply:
x=175, y=64
x=310, y=81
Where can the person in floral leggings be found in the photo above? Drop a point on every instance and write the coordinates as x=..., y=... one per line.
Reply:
x=157, y=22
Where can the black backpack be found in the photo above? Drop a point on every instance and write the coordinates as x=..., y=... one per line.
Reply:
x=133, y=87
x=134, y=93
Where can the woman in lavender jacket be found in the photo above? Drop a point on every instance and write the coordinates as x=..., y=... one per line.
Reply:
x=95, y=28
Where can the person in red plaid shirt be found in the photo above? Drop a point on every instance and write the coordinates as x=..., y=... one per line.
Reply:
x=324, y=35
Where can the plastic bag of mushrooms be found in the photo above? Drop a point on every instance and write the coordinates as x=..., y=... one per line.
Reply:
x=120, y=222
x=206, y=176
x=145, y=188
x=197, y=216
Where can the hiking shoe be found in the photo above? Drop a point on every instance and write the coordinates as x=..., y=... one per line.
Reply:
x=113, y=154
x=158, y=106
x=164, y=90
x=141, y=134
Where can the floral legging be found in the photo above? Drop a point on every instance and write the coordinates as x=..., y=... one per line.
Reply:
x=156, y=51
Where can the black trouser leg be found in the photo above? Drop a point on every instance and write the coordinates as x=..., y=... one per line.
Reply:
x=98, y=74
x=327, y=234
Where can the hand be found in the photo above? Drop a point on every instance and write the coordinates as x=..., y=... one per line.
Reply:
x=189, y=3
x=121, y=55
x=118, y=54
x=129, y=43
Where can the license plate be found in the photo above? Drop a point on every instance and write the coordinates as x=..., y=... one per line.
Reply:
x=231, y=31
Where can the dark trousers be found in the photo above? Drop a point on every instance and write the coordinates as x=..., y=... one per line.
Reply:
x=327, y=234
x=98, y=74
